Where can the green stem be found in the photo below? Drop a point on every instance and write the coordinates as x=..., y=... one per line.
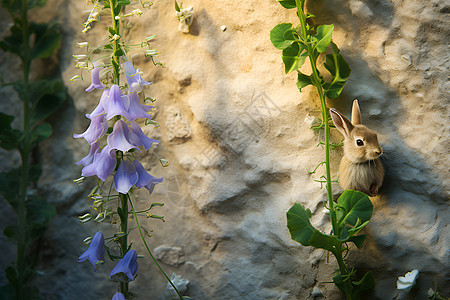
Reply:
x=149, y=252
x=124, y=239
x=317, y=82
x=116, y=46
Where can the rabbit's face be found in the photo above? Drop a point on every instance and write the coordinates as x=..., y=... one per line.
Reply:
x=362, y=145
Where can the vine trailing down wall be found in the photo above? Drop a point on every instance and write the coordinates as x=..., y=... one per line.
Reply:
x=353, y=209
x=115, y=138
x=40, y=99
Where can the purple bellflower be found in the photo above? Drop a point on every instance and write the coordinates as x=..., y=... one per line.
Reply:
x=95, y=252
x=118, y=296
x=96, y=130
x=87, y=160
x=102, y=164
x=116, y=103
x=120, y=137
x=100, y=109
x=126, y=176
x=144, y=179
x=95, y=78
x=139, y=138
x=136, y=109
x=135, y=81
x=127, y=267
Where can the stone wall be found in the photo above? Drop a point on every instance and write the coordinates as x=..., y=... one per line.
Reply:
x=236, y=132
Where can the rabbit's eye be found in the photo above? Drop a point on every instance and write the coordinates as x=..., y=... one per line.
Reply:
x=359, y=142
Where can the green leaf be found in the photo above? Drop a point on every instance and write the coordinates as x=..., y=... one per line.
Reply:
x=40, y=133
x=353, y=205
x=48, y=96
x=303, y=232
x=10, y=186
x=339, y=282
x=9, y=138
x=111, y=30
x=292, y=57
x=47, y=39
x=358, y=240
x=39, y=214
x=123, y=2
x=177, y=8
x=35, y=173
x=118, y=52
x=339, y=70
x=323, y=37
x=288, y=3
x=303, y=81
x=278, y=38
x=366, y=283
x=13, y=43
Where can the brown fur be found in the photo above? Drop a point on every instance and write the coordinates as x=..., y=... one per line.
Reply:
x=360, y=168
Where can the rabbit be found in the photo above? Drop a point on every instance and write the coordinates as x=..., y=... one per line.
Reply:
x=360, y=167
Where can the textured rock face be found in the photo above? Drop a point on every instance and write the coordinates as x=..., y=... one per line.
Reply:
x=236, y=132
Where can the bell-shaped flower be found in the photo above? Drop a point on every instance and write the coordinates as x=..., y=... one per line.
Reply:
x=144, y=179
x=136, y=109
x=87, y=160
x=125, y=177
x=100, y=109
x=120, y=137
x=102, y=165
x=95, y=252
x=138, y=137
x=96, y=130
x=118, y=296
x=115, y=105
x=95, y=78
x=135, y=81
x=127, y=267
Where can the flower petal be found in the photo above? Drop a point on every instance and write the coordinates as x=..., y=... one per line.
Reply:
x=145, y=178
x=96, y=130
x=135, y=81
x=126, y=176
x=87, y=160
x=120, y=137
x=139, y=138
x=95, y=78
x=118, y=296
x=127, y=265
x=95, y=252
x=136, y=109
x=115, y=105
x=100, y=109
x=102, y=165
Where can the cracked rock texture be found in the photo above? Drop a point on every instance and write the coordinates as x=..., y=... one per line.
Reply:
x=236, y=132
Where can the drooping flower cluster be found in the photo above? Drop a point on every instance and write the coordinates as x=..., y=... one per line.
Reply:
x=126, y=268
x=124, y=109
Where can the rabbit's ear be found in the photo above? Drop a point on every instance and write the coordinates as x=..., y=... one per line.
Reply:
x=342, y=123
x=356, y=113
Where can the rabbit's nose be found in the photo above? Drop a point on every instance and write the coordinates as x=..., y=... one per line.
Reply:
x=378, y=152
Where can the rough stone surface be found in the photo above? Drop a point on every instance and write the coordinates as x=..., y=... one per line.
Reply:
x=172, y=256
x=243, y=163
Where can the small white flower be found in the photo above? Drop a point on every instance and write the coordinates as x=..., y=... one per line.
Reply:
x=407, y=282
x=116, y=37
x=117, y=18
